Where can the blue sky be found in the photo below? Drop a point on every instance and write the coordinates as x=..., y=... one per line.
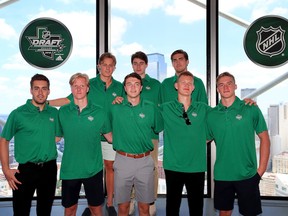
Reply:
x=151, y=26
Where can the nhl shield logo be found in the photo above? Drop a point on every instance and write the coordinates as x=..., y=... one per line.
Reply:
x=270, y=41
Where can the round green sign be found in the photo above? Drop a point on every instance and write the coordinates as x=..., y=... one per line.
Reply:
x=265, y=41
x=45, y=43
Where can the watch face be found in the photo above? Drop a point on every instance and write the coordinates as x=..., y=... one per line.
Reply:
x=265, y=41
x=45, y=43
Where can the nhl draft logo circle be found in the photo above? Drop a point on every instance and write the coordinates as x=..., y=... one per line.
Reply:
x=45, y=43
x=265, y=41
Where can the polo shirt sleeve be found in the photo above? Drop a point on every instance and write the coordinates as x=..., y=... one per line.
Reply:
x=107, y=124
x=70, y=97
x=58, y=130
x=209, y=133
x=161, y=94
x=10, y=127
x=60, y=114
x=201, y=92
x=259, y=122
x=158, y=120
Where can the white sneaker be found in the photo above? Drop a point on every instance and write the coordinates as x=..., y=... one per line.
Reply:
x=132, y=207
x=152, y=210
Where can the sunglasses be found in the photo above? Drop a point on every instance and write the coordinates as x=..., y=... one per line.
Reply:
x=185, y=116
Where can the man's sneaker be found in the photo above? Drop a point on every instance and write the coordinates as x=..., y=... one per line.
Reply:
x=132, y=207
x=110, y=211
x=152, y=209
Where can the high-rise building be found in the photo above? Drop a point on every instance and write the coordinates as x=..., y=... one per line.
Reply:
x=273, y=120
x=157, y=67
x=247, y=91
x=280, y=163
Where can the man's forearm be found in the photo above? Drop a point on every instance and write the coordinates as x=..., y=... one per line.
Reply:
x=58, y=102
x=4, y=153
x=264, y=152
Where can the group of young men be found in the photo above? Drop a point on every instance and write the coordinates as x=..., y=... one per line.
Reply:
x=125, y=120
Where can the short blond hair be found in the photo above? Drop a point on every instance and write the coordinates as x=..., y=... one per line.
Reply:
x=79, y=75
x=223, y=75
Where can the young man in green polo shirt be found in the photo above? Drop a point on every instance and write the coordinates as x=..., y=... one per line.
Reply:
x=180, y=61
x=150, y=91
x=132, y=122
x=34, y=126
x=184, y=158
x=103, y=90
x=82, y=124
x=232, y=125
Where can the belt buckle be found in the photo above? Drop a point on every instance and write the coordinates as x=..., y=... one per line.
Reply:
x=139, y=155
x=41, y=164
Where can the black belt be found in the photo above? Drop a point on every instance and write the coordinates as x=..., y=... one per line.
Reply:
x=40, y=164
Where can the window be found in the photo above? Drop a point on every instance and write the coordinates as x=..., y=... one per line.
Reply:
x=158, y=28
x=251, y=77
x=79, y=17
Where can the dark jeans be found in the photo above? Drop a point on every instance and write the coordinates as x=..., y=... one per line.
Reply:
x=194, y=183
x=39, y=177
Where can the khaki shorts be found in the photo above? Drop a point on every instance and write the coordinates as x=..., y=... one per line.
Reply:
x=129, y=172
x=108, y=151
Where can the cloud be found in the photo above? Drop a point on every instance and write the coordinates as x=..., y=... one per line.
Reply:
x=77, y=1
x=119, y=28
x=128, y=49
x=266, y=10
x=82, y=26
x=6, y=31
x=187, y=11
x=250, y=75
x=16, y=62
x=136, y=7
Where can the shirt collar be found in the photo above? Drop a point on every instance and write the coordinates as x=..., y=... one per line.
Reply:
x=147, y=78
x=235, y=105
x=100, y=82
x=73, y=106
x=127, y=103
x=175, y=77
x=34, y=108
x=179, y=105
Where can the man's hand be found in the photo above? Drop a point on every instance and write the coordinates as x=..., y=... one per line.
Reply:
x=118, y=100
x=250, y=102
x=11, y=179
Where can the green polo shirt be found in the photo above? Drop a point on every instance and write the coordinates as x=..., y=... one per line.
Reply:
x=34, y=133
x=82, y=157
x=169, y=93
x=131, y=126
x=184, y=145
x=233, y=130
x=102, y=96
x=150, y=91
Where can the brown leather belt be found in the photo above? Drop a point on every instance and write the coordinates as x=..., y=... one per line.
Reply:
x=134, y=155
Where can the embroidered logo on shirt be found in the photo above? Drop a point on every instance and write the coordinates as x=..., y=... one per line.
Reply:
x=148, y=87
x=194, y=114
x=114, y=94
x=51, y=119
x=142, y=115
x=90, y=118
x=239, y=117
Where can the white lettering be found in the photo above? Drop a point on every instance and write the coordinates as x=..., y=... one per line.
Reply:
x=46, y=42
